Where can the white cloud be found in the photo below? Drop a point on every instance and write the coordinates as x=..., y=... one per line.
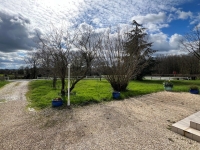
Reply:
x=171, y=17
x=184, y=15
x=196, y=19
x=176, y=52
x=108, y=12
x=150, y=18
x=176, y=13
x=153, y=22
x=152, y=28
x=96, y=20
x=165, y=44
x=12, y=60
x=174, y=41
x=160, y=41
x=84, y=27
x=173, y=9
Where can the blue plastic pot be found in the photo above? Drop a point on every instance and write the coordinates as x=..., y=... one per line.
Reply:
x=116, y=95
x=194, y=91
x=168, y=88
x=56, y=103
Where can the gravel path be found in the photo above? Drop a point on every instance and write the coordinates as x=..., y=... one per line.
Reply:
x=137, y=123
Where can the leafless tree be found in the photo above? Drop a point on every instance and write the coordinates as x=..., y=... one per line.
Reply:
x=58, y=48
x=86, y=43
x=116, y=63
x=191, y=42
x=47, y=64
x=32, y=60
x=55, y=48
x=123, y=56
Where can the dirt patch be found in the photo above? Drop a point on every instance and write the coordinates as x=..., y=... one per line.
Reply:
x=141, y=122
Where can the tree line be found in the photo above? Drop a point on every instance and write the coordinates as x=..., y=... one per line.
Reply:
x=179, y=64
x=162, y=65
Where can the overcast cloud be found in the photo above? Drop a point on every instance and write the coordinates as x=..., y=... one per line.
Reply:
x=14, y=33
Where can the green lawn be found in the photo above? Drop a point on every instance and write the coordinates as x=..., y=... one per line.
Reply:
x=2, y=83
x=94, y=91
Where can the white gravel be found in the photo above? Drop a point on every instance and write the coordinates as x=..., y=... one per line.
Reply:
x=133, y=124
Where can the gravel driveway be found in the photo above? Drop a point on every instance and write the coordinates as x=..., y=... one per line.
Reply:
x=137, y=123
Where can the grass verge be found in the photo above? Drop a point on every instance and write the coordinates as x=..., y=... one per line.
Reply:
x=41, y=92
x=2, y=83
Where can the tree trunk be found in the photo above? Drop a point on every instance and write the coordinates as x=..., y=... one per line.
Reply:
x=119, y=86
x=75, y=82
x=34, y=71
x=54, y=82
x=63, y=86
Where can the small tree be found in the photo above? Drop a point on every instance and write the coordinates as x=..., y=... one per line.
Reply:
x=48, y=65
x=56, y=44
x=58, y=48
x=32, y=60
x=122, y=56
x=86, y=44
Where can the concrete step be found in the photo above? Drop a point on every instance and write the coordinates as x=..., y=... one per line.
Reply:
x=189, y=127
x=195, y=125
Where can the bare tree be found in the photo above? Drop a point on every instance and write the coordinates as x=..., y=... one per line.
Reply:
x=32, y=60
x=191, y=42
x=122, y=56
x=56, y=45
x=48, y=66
x=58, y=48
x=86, y=43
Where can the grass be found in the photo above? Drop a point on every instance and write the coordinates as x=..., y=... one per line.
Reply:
x=2, y=100
x=2, y=83
x=94, y=91
x=86, y=91
x=184, y=85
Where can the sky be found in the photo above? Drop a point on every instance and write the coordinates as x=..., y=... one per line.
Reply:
x=166, y=21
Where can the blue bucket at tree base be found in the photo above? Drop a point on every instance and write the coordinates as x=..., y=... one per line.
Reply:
x=116, y=95
x=57, y=103
x=194, y=91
